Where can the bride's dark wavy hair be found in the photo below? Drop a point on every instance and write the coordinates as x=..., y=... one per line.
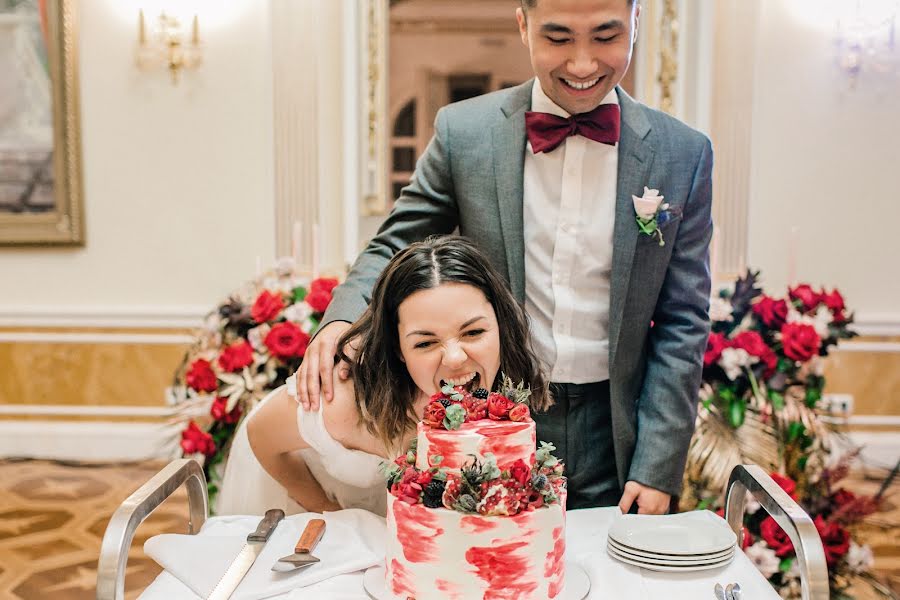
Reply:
x=385, y=392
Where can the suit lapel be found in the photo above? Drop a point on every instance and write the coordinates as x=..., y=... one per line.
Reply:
x=508, y=139
x=635, y=159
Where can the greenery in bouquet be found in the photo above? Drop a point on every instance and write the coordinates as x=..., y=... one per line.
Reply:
x=248, y=347
x=761, y=402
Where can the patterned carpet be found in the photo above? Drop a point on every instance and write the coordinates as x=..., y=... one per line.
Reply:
x=53, y=516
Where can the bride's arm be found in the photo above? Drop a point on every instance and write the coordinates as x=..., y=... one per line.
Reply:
x=275, y=439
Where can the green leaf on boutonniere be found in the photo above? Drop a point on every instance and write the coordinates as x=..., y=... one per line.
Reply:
x=648, y=226
x=299, y=294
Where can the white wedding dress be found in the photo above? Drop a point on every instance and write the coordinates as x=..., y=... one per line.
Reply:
x=349, y=477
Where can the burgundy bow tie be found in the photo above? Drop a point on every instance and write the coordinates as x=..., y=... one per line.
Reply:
x=547, y=131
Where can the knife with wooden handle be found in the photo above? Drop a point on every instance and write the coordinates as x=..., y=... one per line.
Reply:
x=240, y=565
x=302, y=556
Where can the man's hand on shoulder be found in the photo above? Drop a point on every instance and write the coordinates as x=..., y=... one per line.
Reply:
x=650, y=501
x=315, y=372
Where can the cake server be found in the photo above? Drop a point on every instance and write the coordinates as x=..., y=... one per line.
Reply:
x=302, y=556
x=239, y=567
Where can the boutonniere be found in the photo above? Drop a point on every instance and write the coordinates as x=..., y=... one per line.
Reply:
x=651, y=213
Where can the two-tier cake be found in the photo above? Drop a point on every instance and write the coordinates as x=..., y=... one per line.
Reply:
x=474, y=510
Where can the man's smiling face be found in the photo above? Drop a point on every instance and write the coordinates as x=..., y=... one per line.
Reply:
x=580, y=49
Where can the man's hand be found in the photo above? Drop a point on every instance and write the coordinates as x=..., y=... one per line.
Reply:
x=649, y=500
x=318, y=364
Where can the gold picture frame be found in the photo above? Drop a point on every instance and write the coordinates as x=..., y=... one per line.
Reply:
x=62, y=223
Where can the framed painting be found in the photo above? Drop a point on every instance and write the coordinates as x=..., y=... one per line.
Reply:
x=40, y=140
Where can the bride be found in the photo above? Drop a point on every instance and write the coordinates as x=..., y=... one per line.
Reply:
x=439, y=314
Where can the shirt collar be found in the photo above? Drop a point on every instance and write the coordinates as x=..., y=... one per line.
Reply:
x=540, y=102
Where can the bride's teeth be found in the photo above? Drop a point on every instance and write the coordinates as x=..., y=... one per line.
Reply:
x=461, y=380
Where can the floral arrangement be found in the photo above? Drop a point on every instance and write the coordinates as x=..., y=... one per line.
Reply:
x=248, y=346
x=761, y=402
x=480, y=487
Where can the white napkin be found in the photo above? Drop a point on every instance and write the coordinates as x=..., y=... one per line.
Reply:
x=353, y=540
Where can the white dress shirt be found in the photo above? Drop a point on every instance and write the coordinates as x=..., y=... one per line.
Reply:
x=569, y=209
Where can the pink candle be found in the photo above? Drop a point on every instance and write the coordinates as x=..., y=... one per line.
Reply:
x=295, y=242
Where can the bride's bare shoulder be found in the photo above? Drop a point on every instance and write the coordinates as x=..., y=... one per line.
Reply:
x=342, y=419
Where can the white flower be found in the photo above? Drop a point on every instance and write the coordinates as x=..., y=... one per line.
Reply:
x=820, y=321
x=720, y=309
x=256, y=336
x=647, y=205
x=735, y=359
x=752, y=504
x=859, y=558
x=764, y=558
x=285, y=265
x=298, y=312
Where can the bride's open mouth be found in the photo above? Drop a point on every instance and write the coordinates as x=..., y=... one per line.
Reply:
x=469, y=382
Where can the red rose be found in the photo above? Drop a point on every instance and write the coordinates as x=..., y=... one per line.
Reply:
x=236, y=356
x=753, y=343
x=807, y=297
x=842, y=498
x=323, y=284
x=520, y=470
x=476, y=408
x=218, y=411
x=498, y=406
x=835, y=538
x=519, y=413
x=434, y=415
x=786, y=483
x=835, y=303
x=201, y=377
x=266, y=307
x=194, y=440
x=319, y=301
x=800, y=341
x=286, y=340
x=717, y=342
x=772, y=312
x=776, y=538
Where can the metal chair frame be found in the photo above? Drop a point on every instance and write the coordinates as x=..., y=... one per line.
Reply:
x=137, y=507
x=789, y=516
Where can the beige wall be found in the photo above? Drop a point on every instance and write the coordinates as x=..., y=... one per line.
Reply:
x=178, y=180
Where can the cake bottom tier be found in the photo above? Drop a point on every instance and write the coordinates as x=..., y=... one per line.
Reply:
x=447, y=555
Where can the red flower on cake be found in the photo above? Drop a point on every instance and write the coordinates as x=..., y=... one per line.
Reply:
x=835, y=538
x=519, y=413
x=476, y=408
x=772, y=312
x=236, y=356
x=714, y=346
x=776, y=538
x=434, y=415
x=194, y=440
x=520, y=471
x=286, y=340
x=409, y=489
x=806, y=296
x=498, y=406
x=787, y=484
x=201, y=377
x=800, y=341
x=266, y=307
x=218, y=411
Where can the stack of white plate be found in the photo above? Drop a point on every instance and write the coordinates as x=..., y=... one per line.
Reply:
x=690, y=541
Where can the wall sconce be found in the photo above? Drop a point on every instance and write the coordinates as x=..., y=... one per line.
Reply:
x=865, y=38
x=168, y=46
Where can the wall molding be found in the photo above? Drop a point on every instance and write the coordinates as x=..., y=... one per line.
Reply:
x=94, y=441
x=95, y=338
x=137, y=316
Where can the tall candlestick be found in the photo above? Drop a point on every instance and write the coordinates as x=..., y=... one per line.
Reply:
x=142, y=34
x=315, y=250
x=195, y=32
x=295, y=242
x=792, y=255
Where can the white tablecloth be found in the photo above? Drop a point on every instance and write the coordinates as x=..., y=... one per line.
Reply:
x=585, y=544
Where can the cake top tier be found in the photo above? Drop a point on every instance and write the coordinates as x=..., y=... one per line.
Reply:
x=508, y=441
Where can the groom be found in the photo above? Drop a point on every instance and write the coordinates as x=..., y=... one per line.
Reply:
x=618, y=308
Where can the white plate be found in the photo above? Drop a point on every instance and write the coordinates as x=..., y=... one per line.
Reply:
x=577, y=587
x=641, y=555
x=695, y=532
x=676, y=562
x=668, y=568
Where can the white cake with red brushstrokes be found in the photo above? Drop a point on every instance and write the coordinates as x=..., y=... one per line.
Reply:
x=474, y=510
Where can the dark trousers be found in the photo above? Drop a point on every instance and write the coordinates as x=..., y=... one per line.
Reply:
x=579, y=424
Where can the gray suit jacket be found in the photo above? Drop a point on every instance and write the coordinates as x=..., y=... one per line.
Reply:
x=471, y=177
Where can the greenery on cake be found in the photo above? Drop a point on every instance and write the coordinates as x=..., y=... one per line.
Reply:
x=453, y=406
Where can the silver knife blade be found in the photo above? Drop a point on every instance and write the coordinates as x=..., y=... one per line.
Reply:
x=244, y=560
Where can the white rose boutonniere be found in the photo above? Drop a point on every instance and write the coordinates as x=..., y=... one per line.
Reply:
x=651, y=213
